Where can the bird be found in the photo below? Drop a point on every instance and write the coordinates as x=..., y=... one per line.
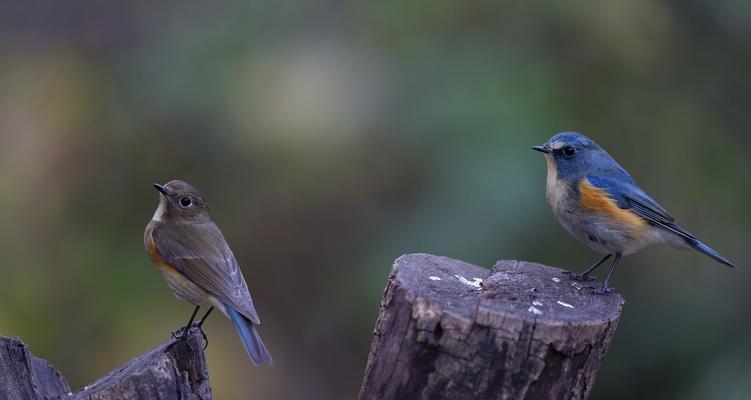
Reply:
x=598, y=203
x=190, y=251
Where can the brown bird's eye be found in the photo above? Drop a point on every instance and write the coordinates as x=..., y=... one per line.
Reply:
x=569, y=151
x=186, y=202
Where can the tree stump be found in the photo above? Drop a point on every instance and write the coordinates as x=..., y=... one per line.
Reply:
x=175, y=369
x=23, y=376
x=452, y=330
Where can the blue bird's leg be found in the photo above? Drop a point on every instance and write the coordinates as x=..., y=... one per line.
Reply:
x=584, y=276
x=185, y=329
x=589, y=270
x=604, y=288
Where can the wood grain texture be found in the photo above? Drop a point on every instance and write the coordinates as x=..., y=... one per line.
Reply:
x=175, y=369
x=452, y=330
x=25, y=377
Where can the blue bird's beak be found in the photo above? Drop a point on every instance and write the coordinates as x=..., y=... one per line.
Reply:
x=542, y=149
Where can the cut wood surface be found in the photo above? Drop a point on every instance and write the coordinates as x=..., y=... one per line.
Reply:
x=452, y=330
x=175, y=369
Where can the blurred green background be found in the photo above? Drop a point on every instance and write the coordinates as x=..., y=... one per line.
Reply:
x=330, y=137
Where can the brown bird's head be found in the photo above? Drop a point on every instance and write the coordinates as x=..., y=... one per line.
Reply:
x=180, y=202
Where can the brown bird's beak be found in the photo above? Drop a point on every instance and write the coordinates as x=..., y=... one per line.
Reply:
x=161, y=188
x=542, y=149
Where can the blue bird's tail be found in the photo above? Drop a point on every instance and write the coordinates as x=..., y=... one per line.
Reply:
x=257, y=351
x=696, y=244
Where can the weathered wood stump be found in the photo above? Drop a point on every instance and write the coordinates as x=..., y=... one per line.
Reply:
x=175, y=369
x=23, y=376
x=452, y=330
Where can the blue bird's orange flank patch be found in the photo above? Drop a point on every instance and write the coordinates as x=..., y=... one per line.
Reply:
x=598, y=200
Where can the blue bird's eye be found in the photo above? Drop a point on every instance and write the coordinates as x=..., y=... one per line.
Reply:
x=569, y=151
x=186, y=202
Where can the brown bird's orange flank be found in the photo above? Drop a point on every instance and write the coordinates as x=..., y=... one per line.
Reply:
x=598, y=200
x=156, y=258
x=154, y=255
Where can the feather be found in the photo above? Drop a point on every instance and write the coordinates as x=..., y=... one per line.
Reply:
x=254, y=347
x=629, y=196
x=200, y=253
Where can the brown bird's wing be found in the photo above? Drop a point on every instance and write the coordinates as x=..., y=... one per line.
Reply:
x=201, y=254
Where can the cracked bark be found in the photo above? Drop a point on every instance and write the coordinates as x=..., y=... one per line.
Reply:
x=175, y=369
x=527, y=332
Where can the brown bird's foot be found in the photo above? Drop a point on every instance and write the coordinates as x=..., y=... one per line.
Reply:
x=205, y=340
x=180, y=334
x=604, y=290
x=579, y=277
x=176, y=334
x=199, y=325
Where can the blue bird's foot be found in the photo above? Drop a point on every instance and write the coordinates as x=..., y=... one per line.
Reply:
x=579, y=277
x=604, y=290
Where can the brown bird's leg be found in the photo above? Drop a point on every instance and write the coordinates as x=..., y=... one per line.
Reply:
x=604, y=288
x=199, y=324
x=187, y=327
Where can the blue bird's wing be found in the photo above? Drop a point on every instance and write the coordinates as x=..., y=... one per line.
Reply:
x=628, y=196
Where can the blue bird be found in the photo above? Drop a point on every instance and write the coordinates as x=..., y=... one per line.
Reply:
x=598, y=202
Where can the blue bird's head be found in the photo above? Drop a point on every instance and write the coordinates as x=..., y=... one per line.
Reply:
x=575, y=155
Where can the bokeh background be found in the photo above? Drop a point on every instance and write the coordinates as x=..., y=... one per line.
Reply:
x=330, y=137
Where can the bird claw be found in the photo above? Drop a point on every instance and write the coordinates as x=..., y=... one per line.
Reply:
x=604, y=290
x=182, y=334
x=198, y=325
x=205, y=338
x=178, y=334
x=579, y=277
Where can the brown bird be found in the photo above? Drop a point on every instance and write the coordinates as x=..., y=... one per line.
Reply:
x=198, y=265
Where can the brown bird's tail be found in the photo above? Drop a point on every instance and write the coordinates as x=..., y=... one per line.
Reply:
x=257, y=351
